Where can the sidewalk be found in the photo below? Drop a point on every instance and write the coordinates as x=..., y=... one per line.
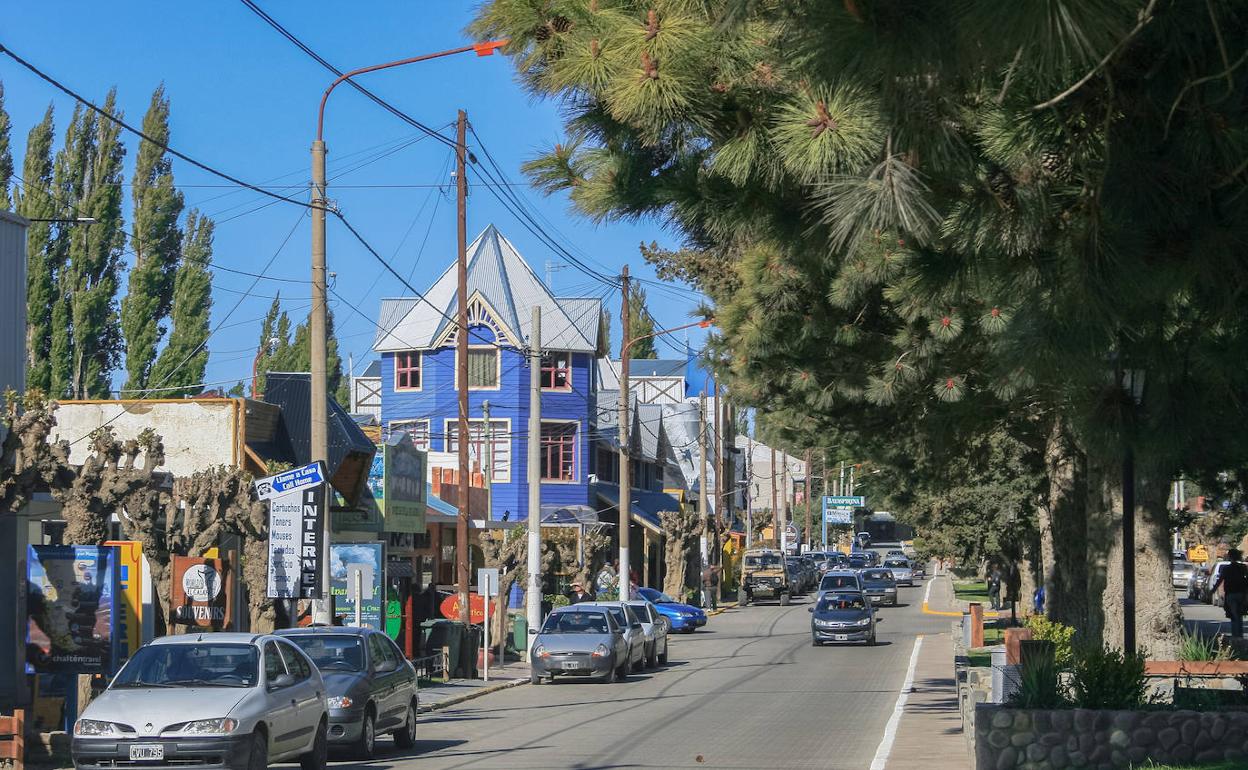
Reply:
x=929, y=734
x=939, y=599
x=439, y=695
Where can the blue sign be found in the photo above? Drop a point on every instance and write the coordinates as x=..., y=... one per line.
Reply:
x=836, y=511
x=309, y=475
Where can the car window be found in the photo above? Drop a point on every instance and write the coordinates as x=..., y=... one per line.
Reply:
x=762, y=560
x=273, y=666
x=376, y=651
x=642, y=611
x=210, y=665
x=295, y=664
x=837, y=581
x=633, y=620
x=578, y=622
x=877, y=574
x=841, y=602
x=620, y=619
x=897, y=563
x=393, y=648
x=332, y=652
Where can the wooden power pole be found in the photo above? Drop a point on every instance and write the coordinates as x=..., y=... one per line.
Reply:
x=461, y=363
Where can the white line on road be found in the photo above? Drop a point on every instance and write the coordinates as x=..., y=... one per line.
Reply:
x=890, y=729
x=927, y=592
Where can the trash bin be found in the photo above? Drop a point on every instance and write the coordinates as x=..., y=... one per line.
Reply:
x=469, y=645
x=519, y=632
x=445, y=633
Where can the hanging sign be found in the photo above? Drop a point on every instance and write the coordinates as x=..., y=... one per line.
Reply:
x=296, y=542
x=402, y=499
x=476, y=607
x=304, y=476
x=203, y=593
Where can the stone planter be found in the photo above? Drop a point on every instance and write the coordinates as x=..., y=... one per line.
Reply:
x=1081, y=738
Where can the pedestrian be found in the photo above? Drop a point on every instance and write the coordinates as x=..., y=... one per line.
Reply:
x=606, y=581
x=1234, y=581
x=710, y=586
x=1037, y=599
x=579, y=594
x=994, y=587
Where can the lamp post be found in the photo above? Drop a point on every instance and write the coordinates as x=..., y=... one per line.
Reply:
x=317, y=320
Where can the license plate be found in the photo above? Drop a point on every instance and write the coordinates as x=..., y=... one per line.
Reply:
x=150, y=751
x=571, y=665
x=840, y=637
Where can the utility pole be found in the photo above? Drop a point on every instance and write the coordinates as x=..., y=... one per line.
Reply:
x=776, y=516
x=716, y=442
x=704, y=550
x=461, y=363
x=488, y=460
x=806, y=535
x=626, y=490
x=749, y=491
x=822, y=515
x=319, y=386
x=533, y=596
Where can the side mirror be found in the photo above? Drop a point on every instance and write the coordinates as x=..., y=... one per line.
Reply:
x=532, y=632
x=810, y=609
x=280, y=681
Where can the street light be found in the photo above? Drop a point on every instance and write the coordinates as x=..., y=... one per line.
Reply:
x=317, y=320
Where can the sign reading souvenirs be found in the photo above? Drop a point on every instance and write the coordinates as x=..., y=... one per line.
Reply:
x=203, y=593
x=304, y=476
x=296, y=538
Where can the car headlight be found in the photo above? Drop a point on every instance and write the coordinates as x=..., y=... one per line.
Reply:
x=97, y=728
x=823, y=623
x=601, y=651
x=864, y=622
x=339, y=702
x=541, y=652
x=210, y=726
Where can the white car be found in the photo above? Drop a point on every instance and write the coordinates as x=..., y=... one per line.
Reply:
x=656, y=627
x=211, y=700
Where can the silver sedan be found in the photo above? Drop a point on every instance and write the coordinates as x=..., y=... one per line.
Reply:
x=582, y=641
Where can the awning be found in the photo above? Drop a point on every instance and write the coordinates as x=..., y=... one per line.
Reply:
x=555, y=515
x=646, y=505
x=441, y=512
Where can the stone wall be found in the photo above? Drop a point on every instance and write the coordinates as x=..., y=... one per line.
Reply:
x=1082, y=738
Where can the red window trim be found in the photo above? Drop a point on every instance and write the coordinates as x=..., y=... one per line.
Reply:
x=548, y=382
x=558, y=447
x=403, y=365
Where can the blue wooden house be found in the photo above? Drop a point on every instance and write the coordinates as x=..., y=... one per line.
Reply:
x=416, y=341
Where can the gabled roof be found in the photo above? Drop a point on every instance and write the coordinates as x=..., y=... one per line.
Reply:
x=502, y=290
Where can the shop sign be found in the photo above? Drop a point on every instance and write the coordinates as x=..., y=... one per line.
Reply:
x=203, y=593
x=349, y=560
x=71, y=605
x=476, y=607
x=403, y=489
x=296, y=543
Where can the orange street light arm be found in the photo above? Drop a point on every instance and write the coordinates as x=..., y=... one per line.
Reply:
x=700, y=324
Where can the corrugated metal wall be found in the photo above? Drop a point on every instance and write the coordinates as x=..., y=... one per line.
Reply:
x=12, y=302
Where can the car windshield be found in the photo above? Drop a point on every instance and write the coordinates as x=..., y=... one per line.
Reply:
x=332, y=652
x=576, y=623
x=191, y=665
x=1183, y=566
x=841, y=603
x=857, y=561
x=875, y=575
x=762, y=560
x=837, y=581
x=658, y=597
x=897, y=563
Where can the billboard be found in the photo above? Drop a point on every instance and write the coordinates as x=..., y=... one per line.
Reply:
x=71, y=605
x=346, y=561
x=203, y=593
x=402, y=500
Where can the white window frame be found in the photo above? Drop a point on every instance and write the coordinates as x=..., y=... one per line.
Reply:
x=498, y=367
x=406, y=425
x=502, y=438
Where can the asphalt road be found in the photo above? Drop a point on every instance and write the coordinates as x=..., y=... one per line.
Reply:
x=747, y=691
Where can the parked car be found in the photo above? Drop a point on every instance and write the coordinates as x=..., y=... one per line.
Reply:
x=840, y=580
x=902, y=573
x=878, y=586
x=1216, y=598
x=632, y=629
x=369, y=684
x=1181, y=573
x=1199, y=585
x=764, y=576
x=684, y=617
x=842, y=616
x=221, y=699
x=580, y=640
x=656, y=627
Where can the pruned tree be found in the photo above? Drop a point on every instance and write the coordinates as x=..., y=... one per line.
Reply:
x=681, y=530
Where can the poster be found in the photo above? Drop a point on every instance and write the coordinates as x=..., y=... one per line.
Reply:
x=296, y=532
x=403, y=485
x=203, y=593
x=368, y=556
x=130, y=595
x=71, y=609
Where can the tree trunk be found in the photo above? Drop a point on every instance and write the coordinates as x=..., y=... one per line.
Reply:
x=674, y=556
x=1104, y=559
x=1063, y=529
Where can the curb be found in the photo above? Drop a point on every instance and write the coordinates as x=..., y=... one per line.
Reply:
x=944, y=613
x=470, y=695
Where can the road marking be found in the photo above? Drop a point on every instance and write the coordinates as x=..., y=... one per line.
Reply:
x=890, y=729
x=928, y=592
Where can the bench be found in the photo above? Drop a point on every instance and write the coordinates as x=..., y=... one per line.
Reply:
x=12, y=738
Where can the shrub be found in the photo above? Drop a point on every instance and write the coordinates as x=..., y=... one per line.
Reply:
x=558, y=600
x=1060, y=634
x=1105, y=678
x=1039, y=686
x=1193, y=646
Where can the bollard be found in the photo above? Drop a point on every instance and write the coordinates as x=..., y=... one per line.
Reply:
x=1013, y=641
x=446, y=664
x=977, y=625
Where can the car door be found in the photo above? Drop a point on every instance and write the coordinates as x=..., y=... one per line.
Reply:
x=281, y=703
x=639, y=634
x=621, y=640
x=405, y=679
x=382, y=675
x=307, y=694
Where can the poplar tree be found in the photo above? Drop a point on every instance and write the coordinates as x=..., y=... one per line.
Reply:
x=155, y=240
x=35, y=201
x=294, y=354
x=6, y=156
x=266, y=347
x=184, y=360
x=640, y=323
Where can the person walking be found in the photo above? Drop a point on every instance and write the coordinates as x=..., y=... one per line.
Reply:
x=994, y=587
x=710, y=585
x=1234, y=581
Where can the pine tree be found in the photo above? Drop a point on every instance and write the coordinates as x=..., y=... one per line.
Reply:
x=34, y=201
x=185, y=358
x=155, y=240
x=641, y=323
x=294, y=354
x=6, y=156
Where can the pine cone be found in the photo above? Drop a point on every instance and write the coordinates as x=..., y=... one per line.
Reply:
x=541, y=33
x=1052, y=161
x=1000, y=183
x=560, y=24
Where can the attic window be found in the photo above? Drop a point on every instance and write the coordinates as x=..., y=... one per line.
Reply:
x=557, y=371
x=407, y=370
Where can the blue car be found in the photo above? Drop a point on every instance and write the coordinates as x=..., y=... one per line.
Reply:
x=684, y=617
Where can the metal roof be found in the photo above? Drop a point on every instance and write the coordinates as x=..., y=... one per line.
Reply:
x=500, y=277
x=373, y=371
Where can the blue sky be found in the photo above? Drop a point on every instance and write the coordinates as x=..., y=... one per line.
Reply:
x=244, y=100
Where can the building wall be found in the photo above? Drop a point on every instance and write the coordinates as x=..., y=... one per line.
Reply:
x=12, y=302
x=438, y=402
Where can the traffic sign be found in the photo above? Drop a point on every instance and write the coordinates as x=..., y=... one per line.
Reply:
x=844, y=501
x=289, y=481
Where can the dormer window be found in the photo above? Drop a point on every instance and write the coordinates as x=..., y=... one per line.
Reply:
x=557, y=370
x=407, y=370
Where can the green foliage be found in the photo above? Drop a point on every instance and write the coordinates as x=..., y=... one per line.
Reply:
x=1062, y=636
x=6, y=156
x=641, y=323
x=1105, y=678
x=557, y=600
x=1039, y=686
x=179, y=371
x=1194, y=647
x=155, y=242
x=34, y=201
x=280, y=352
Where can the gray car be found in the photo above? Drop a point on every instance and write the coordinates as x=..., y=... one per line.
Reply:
x=370, y=685
x=634, y=631
x=219, y=700
x=878, y=586
x=1181, y=573
x=656, y=628
x=580, y=640
x=842, y=616
x=903, y=574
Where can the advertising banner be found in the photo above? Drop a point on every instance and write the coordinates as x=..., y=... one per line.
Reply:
x=296, y=547
x=366, y=560
x=203, y=593
x=402, y=499
x=71, y=605
x=130, y=595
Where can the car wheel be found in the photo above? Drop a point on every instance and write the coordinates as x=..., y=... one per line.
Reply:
x=405, y=736
x=366, y=745
x=784, y=600
x=319, y=755
x=663, y=656
x=259, y=756
x=612, y=675
x=534, y=677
